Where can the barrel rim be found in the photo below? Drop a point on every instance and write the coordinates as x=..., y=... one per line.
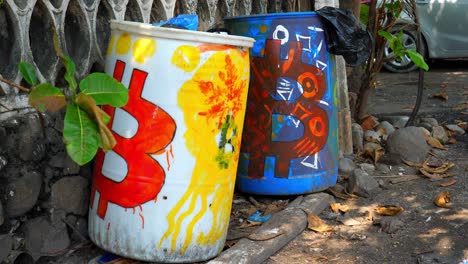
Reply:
x=181, y=34
x=274, y=15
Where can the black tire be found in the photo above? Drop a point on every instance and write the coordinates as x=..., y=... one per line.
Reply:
x=405, y=65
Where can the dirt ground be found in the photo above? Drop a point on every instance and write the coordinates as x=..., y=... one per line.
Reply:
x=422, y=233
x=426, y=233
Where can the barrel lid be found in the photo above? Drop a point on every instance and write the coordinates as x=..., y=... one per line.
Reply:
x=273, y=15
x=181, y=34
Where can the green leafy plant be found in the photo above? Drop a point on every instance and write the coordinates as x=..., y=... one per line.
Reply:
x=396, y=44
x=85, y=122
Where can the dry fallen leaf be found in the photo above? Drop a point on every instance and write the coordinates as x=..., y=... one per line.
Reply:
x=461, y=106
x=452, y=141
x=413, y=164
x=337, y=207
x=342, y=195
x=316, y=224
x=368, y=123
x=435, y=143
x=433, y=176
x=389, y=210
x=273, y=208
x=251, y=210
x=443, y=96
x=443, y=199
x=248, y=223
x=374, y=150
x=444, y=167
x=447, y=183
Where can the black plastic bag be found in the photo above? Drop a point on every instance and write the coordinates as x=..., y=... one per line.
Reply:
x=345, y=35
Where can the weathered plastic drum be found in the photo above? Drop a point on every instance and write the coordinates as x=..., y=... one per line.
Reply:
x=290, y=135
x=164, y=193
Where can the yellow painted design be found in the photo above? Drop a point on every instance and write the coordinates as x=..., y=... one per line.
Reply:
x=263, y=28
x=111, y=45
x=123, y=44
x=186, y=58
x=143, y=48
x=213, y=102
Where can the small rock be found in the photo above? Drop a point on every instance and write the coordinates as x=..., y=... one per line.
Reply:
x=425, y=132
x=396, y=121
x=367, y=167
x=71, y=194
x=409, y=143
x=438, y=132
x=25, y=145
x=70, y=167
x=54, y=140
x=11, y=123
x=454, y=128
x=346, y=166
x=372, y=136
x=43, y=238
x=381, y=183
x=38, y=151
x=22, y=193
x=58, y=160
x=426, y=126
x=57, y=216
x=429, y=120
x=362, y=184
x=6, y=245
x=383, y=168
x=358, y=137
x=391, y=225
x=385, y=128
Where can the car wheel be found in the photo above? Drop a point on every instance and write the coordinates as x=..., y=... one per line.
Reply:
x=405, y=64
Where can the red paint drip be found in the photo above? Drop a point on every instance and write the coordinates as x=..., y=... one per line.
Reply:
x=133, y=210
x=142, y=221
x=108, y=226
x=141, y=208
x=168, y=162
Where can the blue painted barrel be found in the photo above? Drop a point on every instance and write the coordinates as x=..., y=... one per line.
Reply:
x=290, y=139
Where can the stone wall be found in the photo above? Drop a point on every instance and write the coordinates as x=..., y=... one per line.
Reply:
x=43, y=193
x=83, y=27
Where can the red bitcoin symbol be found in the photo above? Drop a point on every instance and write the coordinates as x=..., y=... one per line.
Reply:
x=145, y=176
x=263, y=105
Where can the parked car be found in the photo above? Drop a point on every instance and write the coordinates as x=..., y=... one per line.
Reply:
x=444, y=28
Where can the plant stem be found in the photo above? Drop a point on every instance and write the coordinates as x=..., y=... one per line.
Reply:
x=17, y=86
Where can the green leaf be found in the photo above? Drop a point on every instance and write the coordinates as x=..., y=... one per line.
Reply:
x=69, y=72
x=70, y=66
x=81, y=135
x=388, y=36
x=28, y=72
x=45, y=97
x=417, y=59
x=104, y=89
x=364, y=14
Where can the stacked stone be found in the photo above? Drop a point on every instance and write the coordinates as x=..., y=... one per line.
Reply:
x=84, y=29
